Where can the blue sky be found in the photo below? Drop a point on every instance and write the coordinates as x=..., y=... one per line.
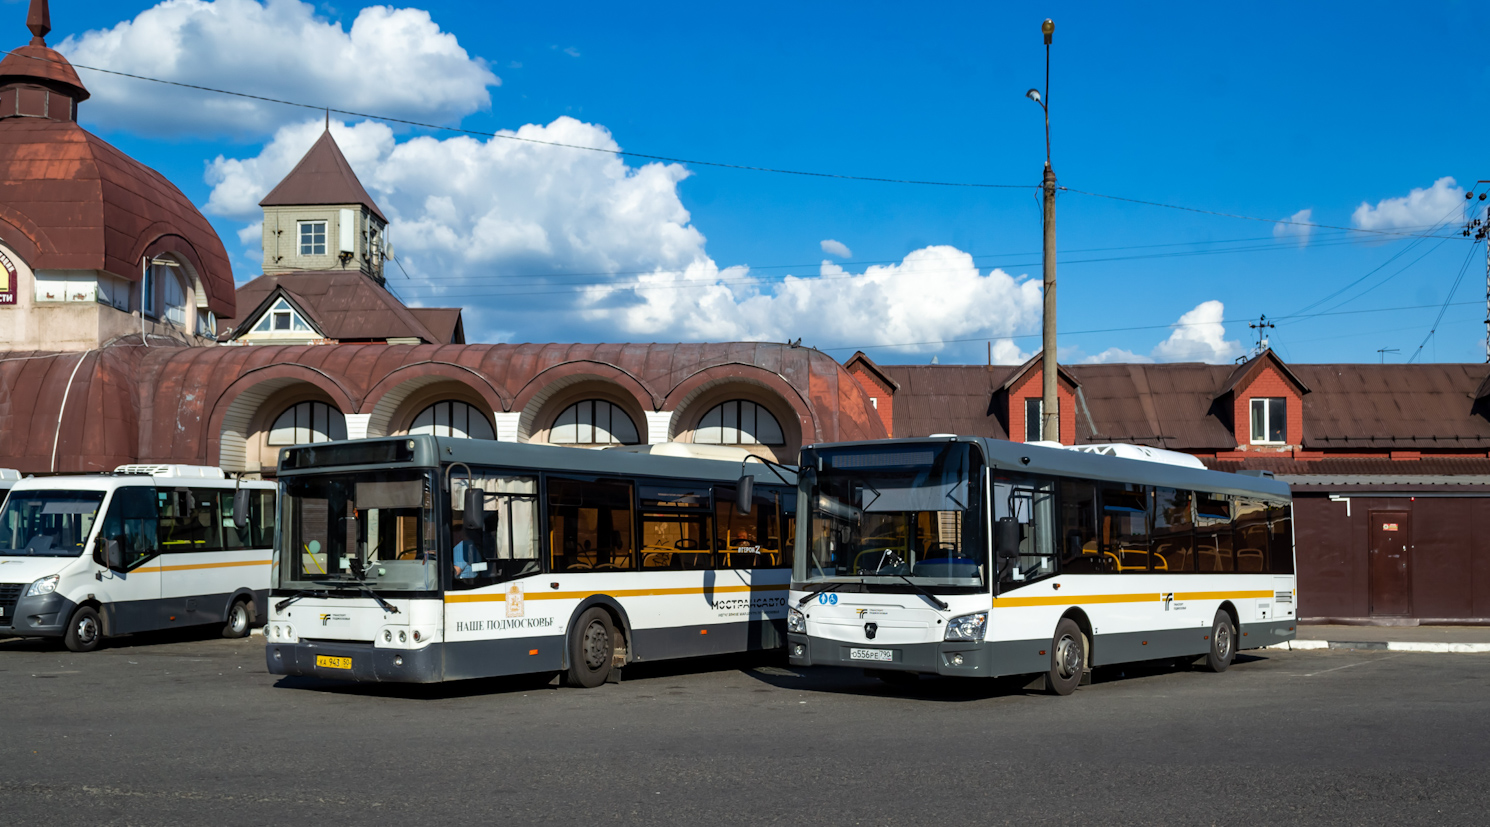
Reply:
x=1240, y=111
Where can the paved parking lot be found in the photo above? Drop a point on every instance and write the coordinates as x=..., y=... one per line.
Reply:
x=181, y=729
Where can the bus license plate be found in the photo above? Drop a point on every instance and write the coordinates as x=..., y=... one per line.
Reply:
x=333, y=663
x=884, y=655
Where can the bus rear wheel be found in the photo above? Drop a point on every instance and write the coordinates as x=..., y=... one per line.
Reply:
x=1223, y=643
x=1067, y=657
x=591, y=649
x=84, y=631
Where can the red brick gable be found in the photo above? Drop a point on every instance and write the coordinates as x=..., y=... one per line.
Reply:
x=877, y=386
x=1267, y=381
x=1029, y=386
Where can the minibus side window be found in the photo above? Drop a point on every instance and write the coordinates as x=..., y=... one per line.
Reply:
x=133, y=522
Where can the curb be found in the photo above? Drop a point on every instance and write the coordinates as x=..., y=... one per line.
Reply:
x=1392, y=646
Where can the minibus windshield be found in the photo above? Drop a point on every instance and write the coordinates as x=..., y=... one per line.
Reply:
x=895, y=517
x=48, y=523
x=368, y=530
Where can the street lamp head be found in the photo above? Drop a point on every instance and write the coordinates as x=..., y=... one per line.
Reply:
x=1034, y=95
x=1048, y=27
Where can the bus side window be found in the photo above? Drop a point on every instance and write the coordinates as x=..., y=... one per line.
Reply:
x=189, y=519
x=261, y=518
x=747, y=541
x=788, y=506
x=1174, y=536
x=1280, y=539
x=590, y=525
x=508, y=545
x=133, y=520
x=1213, y=532
x=1250, y=535
x=1079, y=548
x=1125, y=526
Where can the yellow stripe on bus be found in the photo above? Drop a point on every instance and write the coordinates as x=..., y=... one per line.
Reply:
x=497, y=597
x=1069, y=599
x=195, y=566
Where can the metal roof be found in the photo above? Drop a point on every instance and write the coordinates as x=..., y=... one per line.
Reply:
x=323, y=176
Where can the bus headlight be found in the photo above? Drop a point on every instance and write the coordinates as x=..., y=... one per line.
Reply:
x=795, y=620
x=45, y=585
x=967, y=627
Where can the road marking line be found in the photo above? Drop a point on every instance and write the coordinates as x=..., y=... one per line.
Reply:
x=1346, y=666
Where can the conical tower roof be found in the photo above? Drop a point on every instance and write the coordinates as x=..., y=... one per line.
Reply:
x=323, y=176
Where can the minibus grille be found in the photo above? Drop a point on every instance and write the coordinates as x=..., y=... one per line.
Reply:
x=10, y=594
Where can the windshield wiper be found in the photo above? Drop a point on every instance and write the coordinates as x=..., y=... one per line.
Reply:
x=824, y=589
x=925, y=592
x=365, y=591
x=280, y=606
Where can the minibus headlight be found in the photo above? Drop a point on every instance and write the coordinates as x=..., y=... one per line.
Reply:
x=967, y=627
x=795, y=620
x=45, y=585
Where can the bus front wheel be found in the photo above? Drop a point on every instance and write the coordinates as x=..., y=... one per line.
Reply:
x=1067, y=657
x=591, y=649
x=240, y=618
x=84, y=631
x=1223, y=643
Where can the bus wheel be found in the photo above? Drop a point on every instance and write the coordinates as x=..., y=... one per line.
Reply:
x=239, y=619
x=591, y=649
x=1067, y=657
x=85, y=631
x=1223, y=643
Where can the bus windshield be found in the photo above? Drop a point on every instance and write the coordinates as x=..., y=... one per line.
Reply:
x=884, y=516
x=364, y=530
x=48, y=523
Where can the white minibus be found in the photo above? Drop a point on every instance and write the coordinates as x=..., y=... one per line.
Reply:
x=146, y=547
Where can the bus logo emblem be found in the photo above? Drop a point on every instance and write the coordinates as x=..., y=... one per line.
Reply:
x=515, y=601
x=1168, y=600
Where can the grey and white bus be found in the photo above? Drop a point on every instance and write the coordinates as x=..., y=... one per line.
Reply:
x=981, y=557
x=424, y=559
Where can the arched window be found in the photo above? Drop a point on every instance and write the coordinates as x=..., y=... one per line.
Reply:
x=453, y=419
x=593, y=422
x=308, y=422
x=738, y=422
x=173, y=295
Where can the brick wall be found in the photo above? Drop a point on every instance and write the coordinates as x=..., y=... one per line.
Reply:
x=1267, y=382
x=1031, y=386
x=880, y=394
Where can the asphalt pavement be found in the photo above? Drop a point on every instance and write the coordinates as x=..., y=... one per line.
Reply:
x=182, y=729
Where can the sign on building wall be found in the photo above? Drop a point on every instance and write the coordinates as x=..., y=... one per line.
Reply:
x=8, y=281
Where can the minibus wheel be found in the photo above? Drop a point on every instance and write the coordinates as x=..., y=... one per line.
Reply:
x=239, y=620
x=1067, y=657
x=591, y=649
x=1223, y=643
x=84, y=631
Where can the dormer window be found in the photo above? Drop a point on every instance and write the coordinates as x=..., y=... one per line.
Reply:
x=282, y=318
x=312, y=238
x=1269, y=421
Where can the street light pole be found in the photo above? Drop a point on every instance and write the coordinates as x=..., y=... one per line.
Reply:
x=1050, y=428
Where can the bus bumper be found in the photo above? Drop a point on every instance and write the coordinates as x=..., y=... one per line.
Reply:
x=40, y=616
x=963, y=658
x=368, y=663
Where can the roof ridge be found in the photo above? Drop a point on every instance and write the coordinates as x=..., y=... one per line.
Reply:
x=322, y=176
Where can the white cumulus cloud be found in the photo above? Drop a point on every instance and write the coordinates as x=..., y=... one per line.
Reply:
x=836, y=248
x=1115, y=354
x=1299, y=227
x=1199, y=336
x=394, y=62
x=1419, y=209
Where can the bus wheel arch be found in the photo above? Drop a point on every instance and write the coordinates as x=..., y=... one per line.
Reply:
x=1236, y=621
x=86, y=628
x=1084, y=623
x=235, y=626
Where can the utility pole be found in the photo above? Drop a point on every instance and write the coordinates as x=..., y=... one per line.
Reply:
x=1050, y=427
x=1262, y=326
x=1478, y=228
x=1385, y=350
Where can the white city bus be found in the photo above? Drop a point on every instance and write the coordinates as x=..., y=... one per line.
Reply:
x=8, y=477
x=147, y=547
x=980, y=557
x=423, y=559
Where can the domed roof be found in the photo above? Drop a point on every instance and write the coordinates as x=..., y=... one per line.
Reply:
x=71, y=201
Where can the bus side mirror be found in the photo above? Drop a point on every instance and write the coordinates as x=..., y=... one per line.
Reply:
x=100, y=552
x=474, y=518
x=240, y=509
x=1006, y=539
x=744, y=494
x=109, y=553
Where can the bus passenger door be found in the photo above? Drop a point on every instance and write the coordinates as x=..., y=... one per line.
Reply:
x=129, y=584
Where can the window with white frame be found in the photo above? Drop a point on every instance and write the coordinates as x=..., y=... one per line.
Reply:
x=593, y=422
x=312, y=238
x=306, y=422
x=147, y=292
x=282, y=318
x=738, y=422
x=453, y=419
x=1034, y=418
x=1269, y=421
x=173, y=293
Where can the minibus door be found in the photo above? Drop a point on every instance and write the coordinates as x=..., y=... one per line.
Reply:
x=127, y=554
